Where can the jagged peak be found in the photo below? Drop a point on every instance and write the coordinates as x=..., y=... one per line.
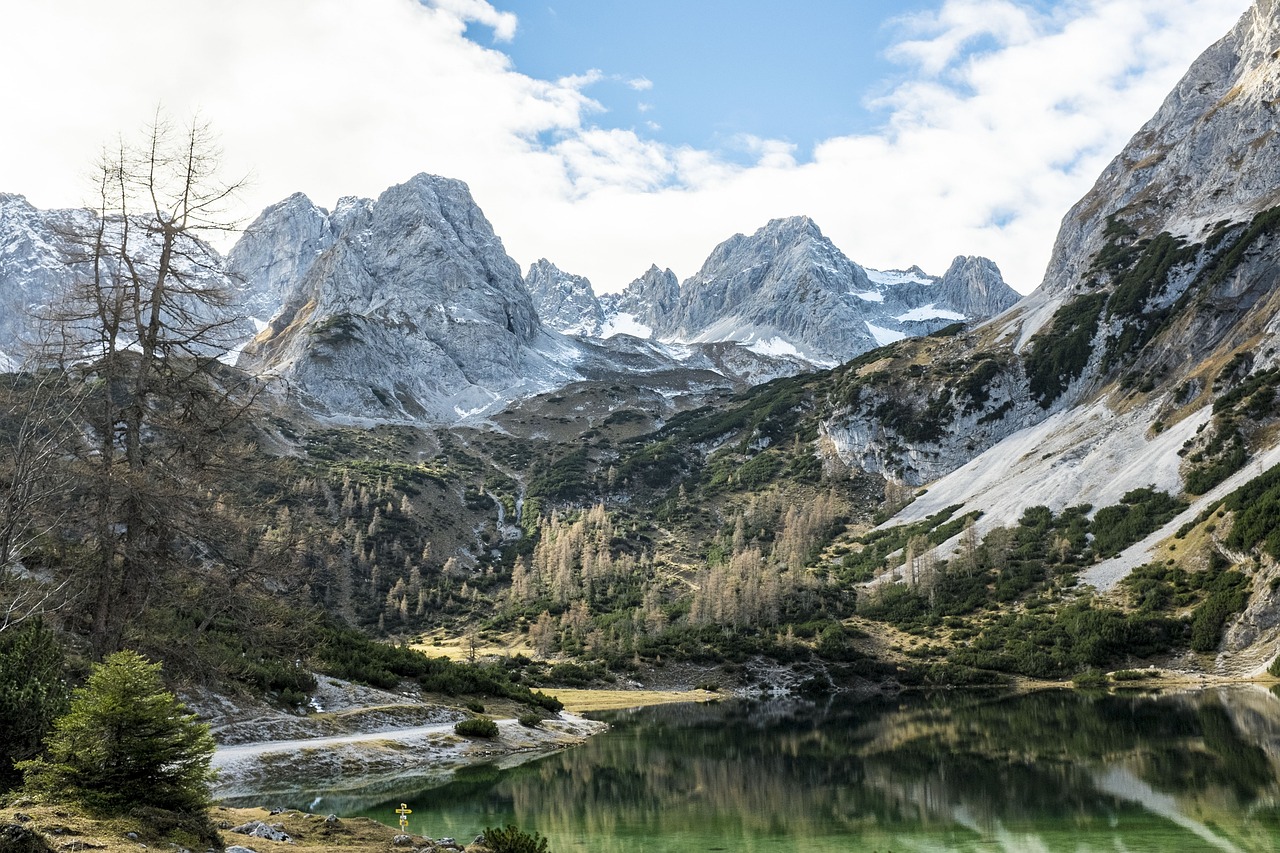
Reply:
x=792, y=226
x=965, y=262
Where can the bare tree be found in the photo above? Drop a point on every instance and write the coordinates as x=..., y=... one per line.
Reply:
x=145, y=321
x=37, y=413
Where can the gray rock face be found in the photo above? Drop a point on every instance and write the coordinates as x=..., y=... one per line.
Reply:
x=1206, y=164
x=44, y=253
x=565, y=302
x=787, y=288
x=34, y=251
x=276, y=251
x=413, y=310
x=643, y=305
x=973, y=286
x=1211, y=153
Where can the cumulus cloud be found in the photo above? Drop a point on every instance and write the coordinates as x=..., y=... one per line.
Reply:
x=1003, y=116
x=503, y=23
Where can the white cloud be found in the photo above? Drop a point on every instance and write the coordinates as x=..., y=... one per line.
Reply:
x=640, y=84
x=503, y=23
x=1004, y=118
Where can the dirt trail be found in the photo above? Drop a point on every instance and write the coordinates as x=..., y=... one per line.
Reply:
x=228, y=755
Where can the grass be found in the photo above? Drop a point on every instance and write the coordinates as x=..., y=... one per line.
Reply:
x=62, y=824
x=577, y=701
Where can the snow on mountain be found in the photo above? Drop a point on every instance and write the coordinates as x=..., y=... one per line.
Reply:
x=1143, y=358
x=565, y=302
x=404, y=307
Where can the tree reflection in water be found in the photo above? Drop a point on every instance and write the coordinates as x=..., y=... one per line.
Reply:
x=1054, y=770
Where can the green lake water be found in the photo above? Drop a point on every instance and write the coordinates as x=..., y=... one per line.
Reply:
x=1049, y=771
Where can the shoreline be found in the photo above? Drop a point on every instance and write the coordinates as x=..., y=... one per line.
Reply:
x=375, y=757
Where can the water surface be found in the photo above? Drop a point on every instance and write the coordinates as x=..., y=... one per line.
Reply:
x=1050, y=771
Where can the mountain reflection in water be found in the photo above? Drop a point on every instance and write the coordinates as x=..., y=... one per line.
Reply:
x=1054, y=770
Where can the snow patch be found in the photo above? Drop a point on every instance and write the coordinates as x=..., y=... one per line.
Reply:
x=928, y=312
x=898, y=277
x=884, y=336
x=775, y=347
x=625, y=324
x=870, y=296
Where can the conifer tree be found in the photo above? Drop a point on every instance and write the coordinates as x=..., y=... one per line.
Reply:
x=126, y=742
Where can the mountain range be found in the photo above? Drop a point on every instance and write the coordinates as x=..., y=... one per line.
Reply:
x=788, y=455
x=786, y=289
x=407, y=307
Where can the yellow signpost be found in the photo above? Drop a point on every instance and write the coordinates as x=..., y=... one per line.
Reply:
x=404, y=811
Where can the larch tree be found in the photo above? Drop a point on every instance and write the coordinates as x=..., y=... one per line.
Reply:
x=146, y=319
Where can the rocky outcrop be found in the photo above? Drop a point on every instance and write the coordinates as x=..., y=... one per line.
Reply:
x=414, y=310
x=565, y=302
x=1211, y=153
x=788, y=289
x=35, y=252
x=643, y=305
x=277, y=251
x=1161, y=275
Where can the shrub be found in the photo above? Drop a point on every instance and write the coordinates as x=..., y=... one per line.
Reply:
x=513, y=840
x=477, y=727
x=1135, y=674
x=530, y=721
x=1091, y=679
x=126, y=743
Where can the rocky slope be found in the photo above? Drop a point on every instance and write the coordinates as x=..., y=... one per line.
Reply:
x=413, y=310
x=784, y=291
x=34, y=249
x=1161, y=276
x=565, y=302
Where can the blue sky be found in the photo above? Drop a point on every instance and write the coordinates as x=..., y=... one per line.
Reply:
x=607, y=136
x=717, y=69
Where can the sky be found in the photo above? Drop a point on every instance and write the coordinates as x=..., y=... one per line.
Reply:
x=608, y=136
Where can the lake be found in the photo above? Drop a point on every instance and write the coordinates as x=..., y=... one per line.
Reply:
x=1049, y=771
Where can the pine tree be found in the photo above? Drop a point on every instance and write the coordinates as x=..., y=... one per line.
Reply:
x=126, y=742
x=32, y=693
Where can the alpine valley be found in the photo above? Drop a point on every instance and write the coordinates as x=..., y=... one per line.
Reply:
x=785, y=473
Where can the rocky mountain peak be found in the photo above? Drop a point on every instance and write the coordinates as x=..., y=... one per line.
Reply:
x=565, y=302
x=276, y=250
x=1210, y=153
x=643, y=305
x=974, y=286
x=406, y=306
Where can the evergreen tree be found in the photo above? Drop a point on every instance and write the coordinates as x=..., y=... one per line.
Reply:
x=126, y=742
x=32, y=694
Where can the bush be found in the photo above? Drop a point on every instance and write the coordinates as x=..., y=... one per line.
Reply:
x=1135, y=674
x=126, y=743
x=530, y=721
x=513, y=840
x=1091, y=679
x=477, y=727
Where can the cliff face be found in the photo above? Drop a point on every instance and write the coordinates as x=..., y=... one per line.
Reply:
x=788, y=288
x=1211, y=153
x=402, y=307
x=565, y=302
x=1161, y=276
